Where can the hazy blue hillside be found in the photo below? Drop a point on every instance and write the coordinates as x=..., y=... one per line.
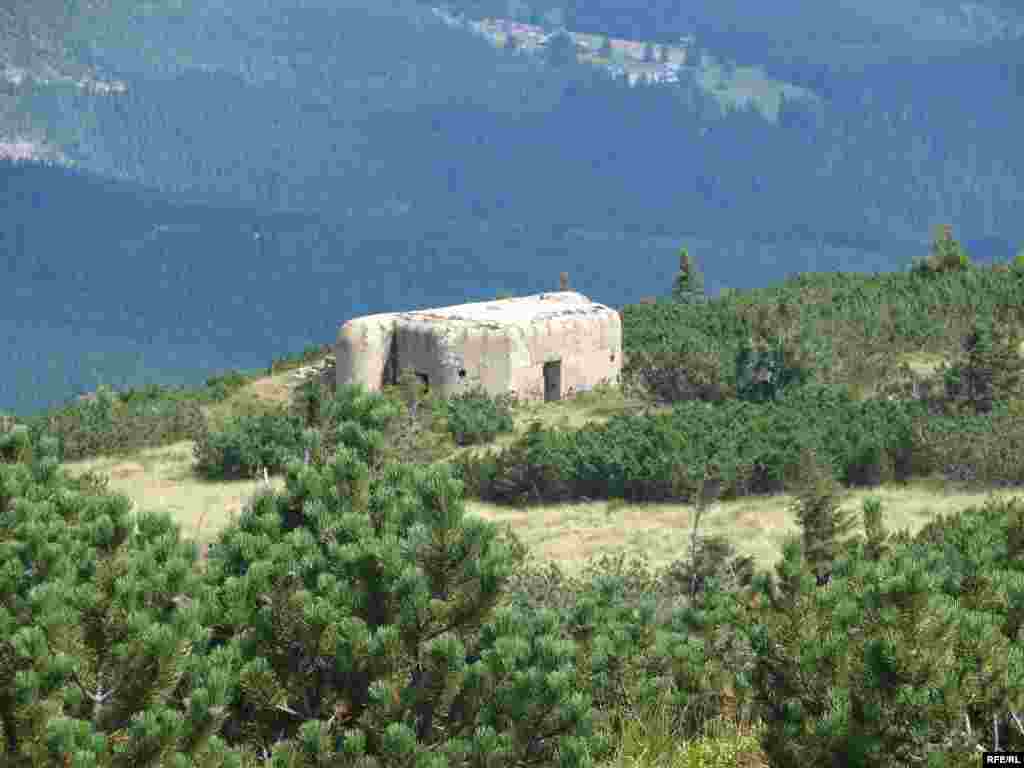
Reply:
x=283, y=165
x=872, y=29
x=132, y=288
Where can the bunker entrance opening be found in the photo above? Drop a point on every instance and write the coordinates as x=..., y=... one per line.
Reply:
x=553, y=381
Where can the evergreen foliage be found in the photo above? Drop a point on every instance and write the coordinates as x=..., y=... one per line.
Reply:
x=763, y=372
x=246, y=443
x=475, y=417
x=15, y=443
x=118, y=423
x=817, y=512
x=642, y=637
x=360, y=618
x=99, y=617
x=688, y=286
x=992, y=368
x=359, y=615
x=423, y=435
x=982, y=449
x=947, y=255
x=876, y=537
x=221, y=387
x=844, y=328
x=895, y=659
x=750, y=447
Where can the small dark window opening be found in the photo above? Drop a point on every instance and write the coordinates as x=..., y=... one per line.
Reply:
x=462, y=373
x=391, y=366
x=612, y=358
x=424, y=379
x=553, y=381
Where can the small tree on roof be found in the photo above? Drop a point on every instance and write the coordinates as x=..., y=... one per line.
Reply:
x=688, y=287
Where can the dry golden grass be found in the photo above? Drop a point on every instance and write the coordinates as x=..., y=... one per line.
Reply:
x=257, y=396
x=569, y=534
x=161, y=479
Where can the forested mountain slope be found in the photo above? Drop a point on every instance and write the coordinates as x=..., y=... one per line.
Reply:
x=456, y=170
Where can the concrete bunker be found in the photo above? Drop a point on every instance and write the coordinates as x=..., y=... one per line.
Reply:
x=542, y=347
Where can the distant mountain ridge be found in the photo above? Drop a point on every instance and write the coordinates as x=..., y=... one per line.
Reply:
x=379, y=158
x=642, y=61
x=34, y=51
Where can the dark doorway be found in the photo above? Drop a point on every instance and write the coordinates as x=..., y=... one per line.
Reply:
x=391, y=372
x=553, y=381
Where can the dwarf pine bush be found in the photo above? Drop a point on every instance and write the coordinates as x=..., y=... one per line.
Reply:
x=99, y=614
x=358, y=614
x=891, y=662
x=475, y=417
x=246, y=443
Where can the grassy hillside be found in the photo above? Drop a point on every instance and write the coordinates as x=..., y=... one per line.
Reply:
x=872, y=336
x=880, y=339
x=569, y=534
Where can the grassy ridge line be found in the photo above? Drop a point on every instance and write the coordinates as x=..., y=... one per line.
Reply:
x=570, y=533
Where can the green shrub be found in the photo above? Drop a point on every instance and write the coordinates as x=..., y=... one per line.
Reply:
x=904, y=649
x=750, y=447
x=817, y=511
x=308, y=402
x=220, y=388
x=990, y=367
x=16, y=445
x=310, y=354
x=847, y=326
x=358, y=613
x=641, y=639
x=351, y=416
x=151, y=394
x=688, y=285
x=118, y=424
x=512, y=475
x=475, y=417
x=693, y=370
x=98, y=623
x=652, y=737
x=714, y=566
x=947, y=255
x=982, y=449
x=763, y=372
x=247, y=443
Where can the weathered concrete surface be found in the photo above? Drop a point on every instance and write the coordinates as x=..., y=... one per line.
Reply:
x=500, y=345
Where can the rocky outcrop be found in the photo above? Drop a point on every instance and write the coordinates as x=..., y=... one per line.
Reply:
x=322, y=370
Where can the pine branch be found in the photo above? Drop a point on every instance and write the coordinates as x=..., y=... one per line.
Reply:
x=1016, y=720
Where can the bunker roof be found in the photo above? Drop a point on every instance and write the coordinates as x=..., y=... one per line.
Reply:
x=514, y=311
